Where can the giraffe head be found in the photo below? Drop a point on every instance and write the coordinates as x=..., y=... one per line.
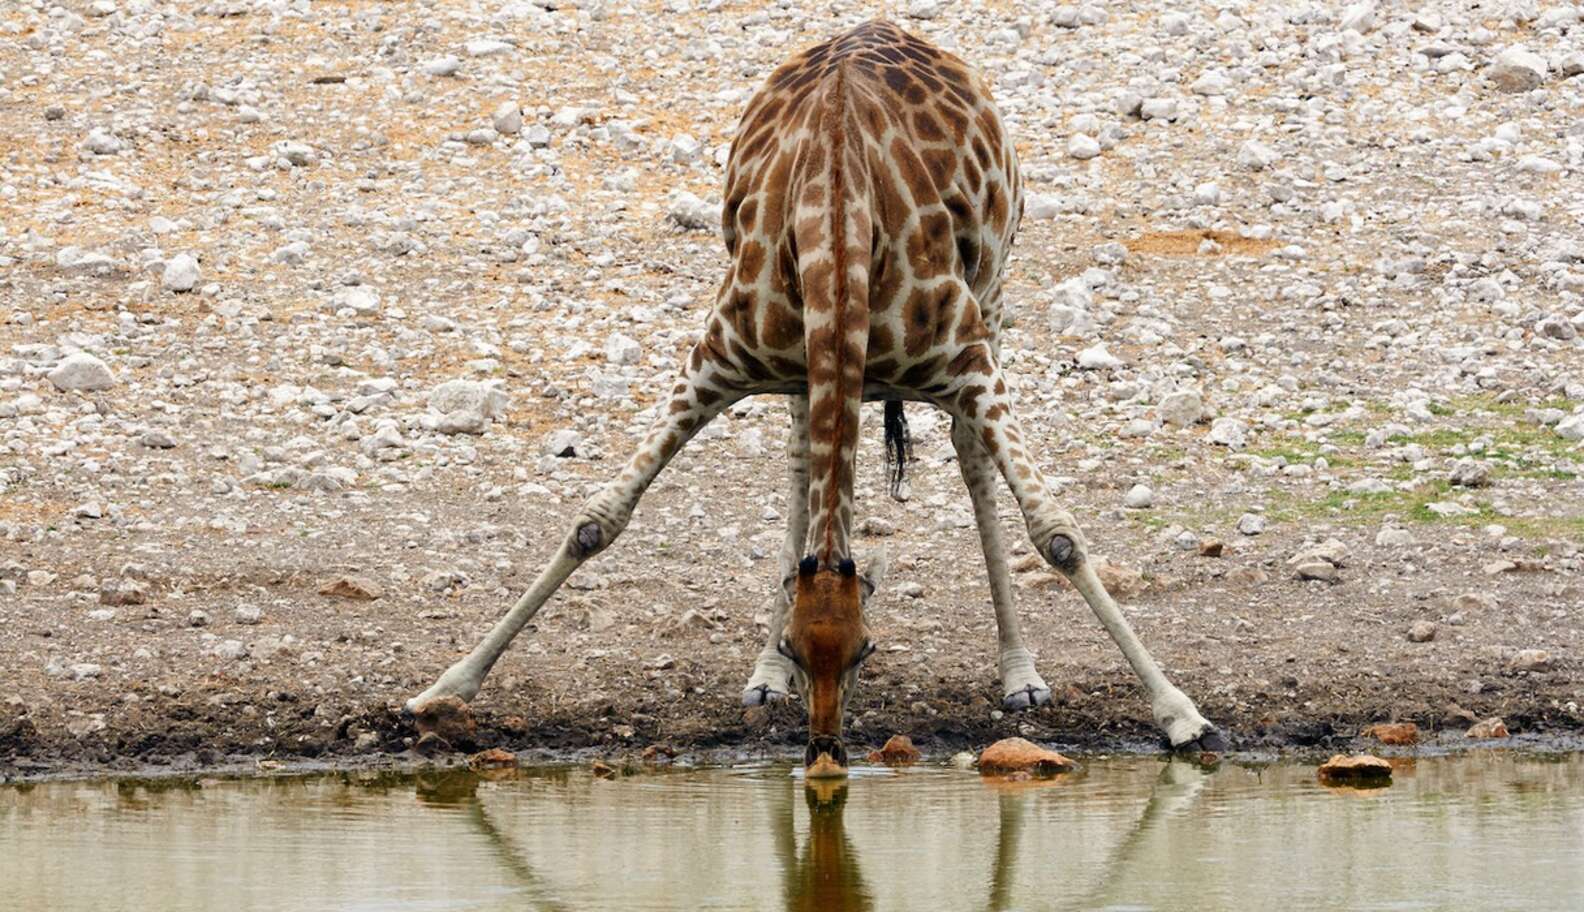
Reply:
x=827, y=641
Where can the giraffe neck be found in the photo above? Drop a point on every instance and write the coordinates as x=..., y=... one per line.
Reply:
x=832, y=234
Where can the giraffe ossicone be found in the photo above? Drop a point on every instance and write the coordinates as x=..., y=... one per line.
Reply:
x=872, y=197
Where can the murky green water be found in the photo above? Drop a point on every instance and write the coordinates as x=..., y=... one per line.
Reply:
x=1486, y=831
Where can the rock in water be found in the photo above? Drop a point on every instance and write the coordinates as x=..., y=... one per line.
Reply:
x=1397, y=733
x=897, y=751
x=494, y=758
x=1015, y=755
x=447, y=718
x=1355, y=769
x=1493, y=727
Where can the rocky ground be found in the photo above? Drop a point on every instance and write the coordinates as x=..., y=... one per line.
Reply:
x=292, y=291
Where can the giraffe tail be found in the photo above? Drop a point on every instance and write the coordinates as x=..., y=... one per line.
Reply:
x=834, y=240
x=898, y=446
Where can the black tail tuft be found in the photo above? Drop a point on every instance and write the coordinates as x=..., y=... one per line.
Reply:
x=898, y=445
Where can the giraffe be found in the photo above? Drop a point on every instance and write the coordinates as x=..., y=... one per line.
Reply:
x=872, y=197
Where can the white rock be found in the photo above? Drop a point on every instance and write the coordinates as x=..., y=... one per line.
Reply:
x=441, y=66
x=1250, y=524
x=1229, y=432
x=1571, y=427
x=1358, y=17
x=1139, y=497
x=1256, y=156
x=1181, y=408
x=488, y=399
x=81, y=371
x=1517, y=69
x=1096, y=357
x=102, y=142
x=1211, y=82
x=507, y=118
x=690, y=212
x=1081, y=147
x=488, y=47
x=181, y=273
x=620, y=349
x=361, y=299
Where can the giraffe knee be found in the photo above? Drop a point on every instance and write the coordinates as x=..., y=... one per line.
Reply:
x=588, y=538
x=1062, y=552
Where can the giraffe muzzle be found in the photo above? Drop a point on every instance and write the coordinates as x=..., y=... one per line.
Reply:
x=825, y=756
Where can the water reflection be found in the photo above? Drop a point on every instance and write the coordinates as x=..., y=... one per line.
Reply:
x=1131, y=833
x=824, y=874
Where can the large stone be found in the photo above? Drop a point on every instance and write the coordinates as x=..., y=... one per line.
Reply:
x=1517, y=69
x=1355, y=769
x=81, y=371
x=1181, y=409
x=1422, y=632
x=898, y=750
x=353, y=587
x=181, y=273
x=1395, y=733
x=1016, y=755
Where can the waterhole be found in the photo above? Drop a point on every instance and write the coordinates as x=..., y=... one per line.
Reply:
x=1480, y=831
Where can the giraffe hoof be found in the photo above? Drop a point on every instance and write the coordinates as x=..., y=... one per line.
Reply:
x=1027, y=698
x=1062, y=551
x=762, y=695
x=1211, y=740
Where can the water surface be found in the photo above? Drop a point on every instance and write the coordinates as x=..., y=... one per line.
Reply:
x=1483, y=831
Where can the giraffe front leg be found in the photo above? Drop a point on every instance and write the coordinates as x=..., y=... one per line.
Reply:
x=984, y=403
x=773, y=672
x=699, y=396
x=1021, y=685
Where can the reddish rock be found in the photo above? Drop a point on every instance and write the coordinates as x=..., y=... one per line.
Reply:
x=1211, y=548
x=494, y=758
x=353, y=587
x=602, y=770
x=448, y=718
x=1493, y=727
x=658, y=753
x=1012, y=755
x=898, y=750
x=1359, y=767
x=1398, y=733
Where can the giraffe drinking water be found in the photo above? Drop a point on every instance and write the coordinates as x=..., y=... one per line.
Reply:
x=872, y=197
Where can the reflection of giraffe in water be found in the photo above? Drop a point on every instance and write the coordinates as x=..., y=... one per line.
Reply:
x=824, y=876
x=872, y=196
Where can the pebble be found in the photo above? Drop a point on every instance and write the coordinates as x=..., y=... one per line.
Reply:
x=81, y=371
x=1422, y=632
x=1082, y=147
x=1250, y=524
x=1139, y=497
x=181, y=273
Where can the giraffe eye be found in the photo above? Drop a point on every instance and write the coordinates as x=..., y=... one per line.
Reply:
x=864, y=652
x=785, y=648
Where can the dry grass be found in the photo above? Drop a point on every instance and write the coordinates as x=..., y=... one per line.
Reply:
x=1188, y=242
